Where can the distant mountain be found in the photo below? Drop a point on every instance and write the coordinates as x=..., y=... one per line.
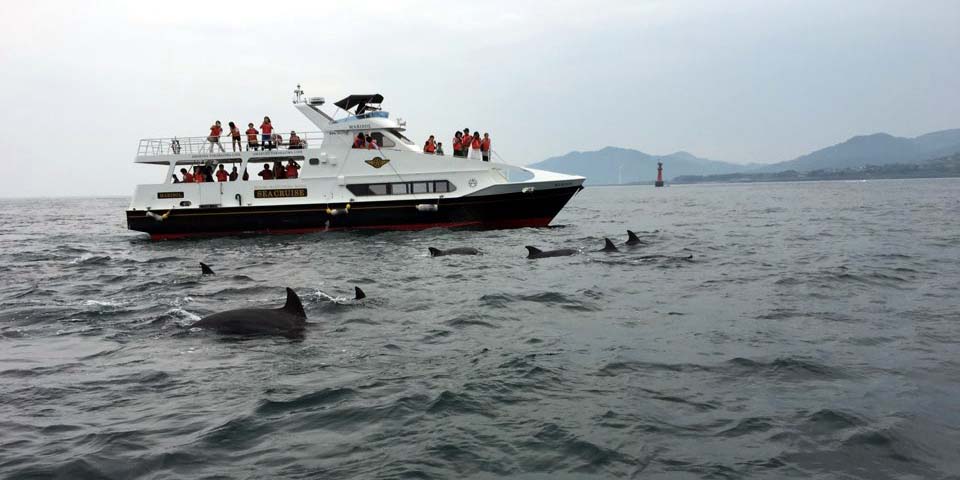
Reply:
x=613, y=165
x=876, y=149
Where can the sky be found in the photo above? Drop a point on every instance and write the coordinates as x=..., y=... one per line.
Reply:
x=744, y=81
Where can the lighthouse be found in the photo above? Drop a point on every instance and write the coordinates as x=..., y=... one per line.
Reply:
x=659, y=182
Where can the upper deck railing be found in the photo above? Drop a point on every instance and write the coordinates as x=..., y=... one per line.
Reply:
x=197, y=145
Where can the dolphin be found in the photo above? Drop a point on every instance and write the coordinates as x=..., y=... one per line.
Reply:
x=436, y=252
x=608, y=246
x=205, y=269
x=537, y=253
x=633, y=240
x=359, y=293
x=288, y=321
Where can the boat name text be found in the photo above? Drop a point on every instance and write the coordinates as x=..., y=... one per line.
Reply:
x=162, y=195
x=280, y=193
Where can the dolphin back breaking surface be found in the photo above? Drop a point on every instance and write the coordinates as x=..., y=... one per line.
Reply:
x=288, y=321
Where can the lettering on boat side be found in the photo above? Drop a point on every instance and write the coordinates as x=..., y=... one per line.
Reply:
x=377, y=162
x=169, y=195
x=280, y=193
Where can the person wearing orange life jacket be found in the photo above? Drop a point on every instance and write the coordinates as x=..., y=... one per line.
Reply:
x=266, y=129
x=266, y=173
x=252, y=134
x=371, y=143
x=485, y=147
x=465, y=143
x=187, y=177
x=197, y=175
x=222, y=174
x=214, y=137
x=359, y=141
x=475, y=146
x=292, y=169
x=294, y=142
x=457, y=144
x=431, y=146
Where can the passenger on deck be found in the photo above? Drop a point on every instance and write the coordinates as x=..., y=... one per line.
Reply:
x=457, y=144
x=277, y=141
x=207, y=173
x=430, y=146
x=187, y=177
x=214, y=137
x=197, y=174
x=294, y=142
x=246, y=175
x=266, y=173
x=465, y=146
x=222, y=174
x=475, y=146
x=266, y=129
x=359, y=141
x=439, y=148
x=292, y=169
x=371, y=143
x=175, y=146
x=279, y=172
x=234, y=174
x=485, y=147
x=235, y=137
x=252, y=137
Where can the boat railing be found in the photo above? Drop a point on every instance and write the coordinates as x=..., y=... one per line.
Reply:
x=197, y=145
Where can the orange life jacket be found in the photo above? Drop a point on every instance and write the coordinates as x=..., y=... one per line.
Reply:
x=294, y=140
x=252, y=135
x=485, y=145
x=475, y=144
x=292, y=171
x=430, y=146
x=222, y=175
x=358, y=143
x=457, y=146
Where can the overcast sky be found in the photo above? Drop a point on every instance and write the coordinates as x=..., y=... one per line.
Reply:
x=740, y=81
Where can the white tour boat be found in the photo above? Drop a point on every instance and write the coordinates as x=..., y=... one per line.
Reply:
x=393, y=187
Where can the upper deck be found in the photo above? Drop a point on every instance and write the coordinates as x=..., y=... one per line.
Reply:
x=186, y=150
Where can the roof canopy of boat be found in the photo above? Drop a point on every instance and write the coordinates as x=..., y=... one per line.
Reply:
x=363, y=103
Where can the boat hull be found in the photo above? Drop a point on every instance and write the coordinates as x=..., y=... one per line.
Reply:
x=509, y=210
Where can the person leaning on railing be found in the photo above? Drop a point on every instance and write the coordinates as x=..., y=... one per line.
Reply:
x=294, y=142
x=430, y=146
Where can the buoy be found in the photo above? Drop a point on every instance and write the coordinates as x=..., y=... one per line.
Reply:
x=659, y=182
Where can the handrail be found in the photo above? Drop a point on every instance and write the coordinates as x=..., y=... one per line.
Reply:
x=197, y=145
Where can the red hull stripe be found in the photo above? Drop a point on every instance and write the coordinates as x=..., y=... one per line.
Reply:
x=507, y=223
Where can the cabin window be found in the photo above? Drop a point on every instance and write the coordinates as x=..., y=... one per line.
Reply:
x=401, y=188
x=399, y=135
x=314, y=161
x=382, y=140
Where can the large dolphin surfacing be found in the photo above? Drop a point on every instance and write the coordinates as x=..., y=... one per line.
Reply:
x=288, y=321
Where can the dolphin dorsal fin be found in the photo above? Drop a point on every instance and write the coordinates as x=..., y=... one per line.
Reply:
x=359, y=293
x=205, y=269
x=434, y=252
x=632, y=237
x=608, y=245
x=293, y=305
x=533, y=250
